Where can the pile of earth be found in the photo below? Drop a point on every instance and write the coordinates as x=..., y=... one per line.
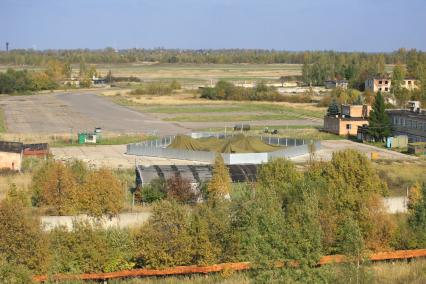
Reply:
x=235, y=144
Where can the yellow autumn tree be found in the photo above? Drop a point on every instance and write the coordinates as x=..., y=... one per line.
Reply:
x=220, y=184
x=101, y=194
x=414, y=195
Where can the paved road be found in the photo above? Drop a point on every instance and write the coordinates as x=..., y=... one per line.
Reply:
x=58, y=113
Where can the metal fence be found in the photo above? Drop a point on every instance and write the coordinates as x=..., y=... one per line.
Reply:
x=158, y=148
x=269, y=139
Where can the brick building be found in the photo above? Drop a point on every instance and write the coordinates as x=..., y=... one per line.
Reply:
x=348, y=120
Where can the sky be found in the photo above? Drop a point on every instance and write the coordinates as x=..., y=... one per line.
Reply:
x=342, y=25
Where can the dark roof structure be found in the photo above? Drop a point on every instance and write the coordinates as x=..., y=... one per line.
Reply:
x=11, y=147
x=37, y=147
x=194, y=173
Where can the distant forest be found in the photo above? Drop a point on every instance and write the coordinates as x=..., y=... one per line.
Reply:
x=219, y=56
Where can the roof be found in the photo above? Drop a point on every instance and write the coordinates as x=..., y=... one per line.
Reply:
x=406, y=112
x=337, y=81
x=36, y=147
x=347, y=118
x=11, y=147
x=193, y=173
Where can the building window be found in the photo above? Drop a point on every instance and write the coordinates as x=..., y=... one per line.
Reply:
x=386, y=89
x=380, y=82
x=386, y=82
x=380, y=89
x=348, y=126
x=409, y=82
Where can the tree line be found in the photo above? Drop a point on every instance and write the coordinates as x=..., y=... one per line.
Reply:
x=215, y=56
x=55, y=74
x=287, y=215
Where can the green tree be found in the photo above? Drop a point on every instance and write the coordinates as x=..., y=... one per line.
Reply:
x=89, y=248
x=398, y=76
x=333, y=108
x=417, y=218
x=354, y=190
x=11, y=273
x=165, y=240
x=154, y=191
x=379, y=123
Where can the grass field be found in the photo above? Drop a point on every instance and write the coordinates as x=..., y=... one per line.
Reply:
x=401, y=174
x=203, y=72
x=187, y=107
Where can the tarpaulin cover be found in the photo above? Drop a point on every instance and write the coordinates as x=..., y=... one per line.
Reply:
x=235, y=144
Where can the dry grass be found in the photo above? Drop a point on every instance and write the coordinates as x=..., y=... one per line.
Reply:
x=64, y=139
x=400, y=272
x=401, y=174
x=204, y=72
x=22, y=181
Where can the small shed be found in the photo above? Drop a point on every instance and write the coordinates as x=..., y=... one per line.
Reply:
x=39, y=150
x=418, y=148
x=11, y=155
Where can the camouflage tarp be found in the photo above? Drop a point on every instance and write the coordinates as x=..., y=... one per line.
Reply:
x=235, y=144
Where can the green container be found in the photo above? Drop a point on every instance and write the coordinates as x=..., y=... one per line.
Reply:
x=81, y=138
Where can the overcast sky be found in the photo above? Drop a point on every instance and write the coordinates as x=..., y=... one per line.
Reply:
x=344, y=25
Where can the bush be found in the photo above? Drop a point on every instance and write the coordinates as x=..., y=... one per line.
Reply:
x=89, y=248
x=152, y=192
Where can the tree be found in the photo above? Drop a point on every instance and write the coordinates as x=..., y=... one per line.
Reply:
x=398, y=90
x=181, y=190
x=354, y=190
x=278, y=175
x=101, y=194
x=165, y=240
x=154, y=191
x=11, y=273
x=89, y=248
x=22, y=241
x=417, y=219
x=220, y=184
x=54, y=186
x=72, y=188
x=333, y=108
x=379, y=123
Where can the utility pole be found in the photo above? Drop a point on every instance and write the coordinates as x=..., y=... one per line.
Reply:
x=7, y=46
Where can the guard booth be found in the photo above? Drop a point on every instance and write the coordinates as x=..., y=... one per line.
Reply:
x=90, y=137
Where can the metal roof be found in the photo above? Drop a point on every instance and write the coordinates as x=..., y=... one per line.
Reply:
x=11, y=147
x=194, y=173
